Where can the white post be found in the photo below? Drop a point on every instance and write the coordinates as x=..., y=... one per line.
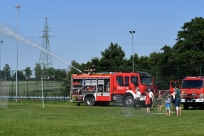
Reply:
x=17, y=6
x=0, y=65
x=42, y=92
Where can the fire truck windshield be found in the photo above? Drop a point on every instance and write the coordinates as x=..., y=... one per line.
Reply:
x=147, y=80
x=192, y=84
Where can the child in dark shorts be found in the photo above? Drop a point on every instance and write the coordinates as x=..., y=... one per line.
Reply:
x=147, y=102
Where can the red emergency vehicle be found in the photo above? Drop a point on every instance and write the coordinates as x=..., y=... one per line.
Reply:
x=192, y=89
x=103, y=88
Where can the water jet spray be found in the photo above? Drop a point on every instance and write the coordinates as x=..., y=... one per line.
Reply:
x=8, y=32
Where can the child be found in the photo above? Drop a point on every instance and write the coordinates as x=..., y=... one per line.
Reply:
x=138, y=95
x=147, y=102
x=159, y=102
x=168, y=106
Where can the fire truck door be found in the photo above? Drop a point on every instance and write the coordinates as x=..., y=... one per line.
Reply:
x=121, y=84
x=103, y=90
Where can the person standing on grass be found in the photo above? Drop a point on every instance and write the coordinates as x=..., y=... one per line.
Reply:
x=159, y=102
x=168, y=101
x=138, y=95
x=151, y=95
x=173, y=100
x=178, y=101
x=147, y=102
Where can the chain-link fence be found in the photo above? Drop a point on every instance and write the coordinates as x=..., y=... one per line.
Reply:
x=47, y=86
x=165, y=74
x=4, y=93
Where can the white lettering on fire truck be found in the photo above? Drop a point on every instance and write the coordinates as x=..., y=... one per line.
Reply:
x=121, y=87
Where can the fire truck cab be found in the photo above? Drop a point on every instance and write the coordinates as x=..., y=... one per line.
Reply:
x=103, y=88
x=192, y=89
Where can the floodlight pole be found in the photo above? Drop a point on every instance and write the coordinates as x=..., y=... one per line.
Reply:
x=132, y=32
x=0, y=64
x=17, y=6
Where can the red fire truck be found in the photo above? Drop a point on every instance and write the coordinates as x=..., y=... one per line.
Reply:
x=103, y=88
x=192, y=89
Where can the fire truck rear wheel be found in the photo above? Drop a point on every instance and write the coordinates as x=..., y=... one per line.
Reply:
x=90, y=101
x=128, y=101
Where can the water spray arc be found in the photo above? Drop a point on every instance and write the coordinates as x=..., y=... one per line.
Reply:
x=6, y=31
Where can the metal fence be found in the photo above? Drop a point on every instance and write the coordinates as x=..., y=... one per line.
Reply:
x=50, y=90
x=47, y=87
x=164, y=73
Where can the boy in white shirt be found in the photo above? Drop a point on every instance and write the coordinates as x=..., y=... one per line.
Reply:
x=151, y=95
x=138, y=95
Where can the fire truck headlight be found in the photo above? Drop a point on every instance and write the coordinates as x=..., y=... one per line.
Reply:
x=201, y=95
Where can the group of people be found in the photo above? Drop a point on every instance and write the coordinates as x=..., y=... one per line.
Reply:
x=149, y=97
x=91, y=70
x=175, y=100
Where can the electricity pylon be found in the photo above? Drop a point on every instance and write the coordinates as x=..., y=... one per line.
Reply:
x=45, y=58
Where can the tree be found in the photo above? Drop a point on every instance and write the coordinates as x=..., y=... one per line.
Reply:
x=67, y=81
x=142, y=63
x=28, y=72
x=167, y=55
x=187, y=51
x=38, y=71
x=128, y=63
x=191, y=37
x=168, y=67
x=2, y=74
x=112, y=57
x=96, y=61
x=50, y=73
x=60, y=74
x=155, y=59
x=6, y=72
x=189, y=47
x=20, y=75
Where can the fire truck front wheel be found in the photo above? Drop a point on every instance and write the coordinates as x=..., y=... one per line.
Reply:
x=128, y=101
x=90, y=101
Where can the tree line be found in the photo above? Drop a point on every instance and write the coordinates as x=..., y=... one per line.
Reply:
x=39, y=72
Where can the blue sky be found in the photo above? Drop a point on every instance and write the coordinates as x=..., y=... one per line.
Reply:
x=84, y=28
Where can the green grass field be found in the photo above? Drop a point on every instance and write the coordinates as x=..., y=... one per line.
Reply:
x=27, y=118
